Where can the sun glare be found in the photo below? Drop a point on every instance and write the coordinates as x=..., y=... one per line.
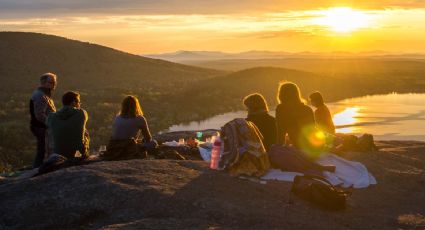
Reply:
x=343, y=19
x=346, y=117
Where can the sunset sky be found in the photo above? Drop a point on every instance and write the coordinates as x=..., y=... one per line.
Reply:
x=156, y=26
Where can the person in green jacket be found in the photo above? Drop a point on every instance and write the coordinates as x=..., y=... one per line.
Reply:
x=68, y=127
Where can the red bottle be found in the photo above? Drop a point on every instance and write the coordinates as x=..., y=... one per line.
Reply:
x=215, y=153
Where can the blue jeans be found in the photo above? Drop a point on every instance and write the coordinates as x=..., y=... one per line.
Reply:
x=40, y=135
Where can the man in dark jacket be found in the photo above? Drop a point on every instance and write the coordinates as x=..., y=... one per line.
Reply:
x=68, y=127
x=41, y=104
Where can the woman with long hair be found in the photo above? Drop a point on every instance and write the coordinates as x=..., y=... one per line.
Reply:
x=126, y=129
x=293, y=117
x=130, y=121
x=258, y=113
x=296, y=119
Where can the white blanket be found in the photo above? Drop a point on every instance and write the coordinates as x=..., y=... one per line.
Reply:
x=347, y=173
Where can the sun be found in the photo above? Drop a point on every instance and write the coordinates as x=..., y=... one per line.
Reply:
x=343, y=19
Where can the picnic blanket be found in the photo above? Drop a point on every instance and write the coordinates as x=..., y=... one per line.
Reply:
x=347, y=173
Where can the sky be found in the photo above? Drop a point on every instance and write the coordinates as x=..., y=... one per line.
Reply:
x=158, y=26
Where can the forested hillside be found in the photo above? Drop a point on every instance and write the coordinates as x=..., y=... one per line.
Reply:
x=226, y=92
x=169, y=93
x=102, y=75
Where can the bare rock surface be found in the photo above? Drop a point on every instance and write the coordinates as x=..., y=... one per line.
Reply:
x=167, y=194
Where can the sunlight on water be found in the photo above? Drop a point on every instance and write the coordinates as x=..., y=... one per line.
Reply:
x=346, y=117
x=347, y=130
x=387, y=117
x=390, y=117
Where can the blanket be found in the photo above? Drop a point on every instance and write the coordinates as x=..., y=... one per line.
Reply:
x=347, y=173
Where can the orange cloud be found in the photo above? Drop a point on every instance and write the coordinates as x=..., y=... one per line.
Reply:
x=293, y=30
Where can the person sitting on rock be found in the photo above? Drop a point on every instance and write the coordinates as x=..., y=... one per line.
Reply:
x=299, y=143
x=258, y=113
x=322, y=115
x=126, y=129
x=295, y=121
x=68, y=127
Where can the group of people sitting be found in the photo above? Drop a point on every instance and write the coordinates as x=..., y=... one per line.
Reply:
x=295, y=123
x=64, y=131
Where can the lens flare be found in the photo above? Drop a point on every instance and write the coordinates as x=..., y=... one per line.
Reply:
x=312, y=141
x=317, y=138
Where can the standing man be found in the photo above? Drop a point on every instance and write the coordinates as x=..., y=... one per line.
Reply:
x=41, y=104
x=68, y=128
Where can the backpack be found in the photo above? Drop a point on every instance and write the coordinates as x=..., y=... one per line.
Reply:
x=319, y=191
x=349, y=142
x=243, y=149
x=365, y=143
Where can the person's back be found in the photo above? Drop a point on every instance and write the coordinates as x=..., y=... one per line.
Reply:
x=296, y=120
x=68, y=127
x=129, y=128
x=125, y=143
x=258, y=113
x=323, y=119
x=322, y=114
x=267, y=126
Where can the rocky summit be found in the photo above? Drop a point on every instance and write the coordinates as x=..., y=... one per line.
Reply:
x=171, y=194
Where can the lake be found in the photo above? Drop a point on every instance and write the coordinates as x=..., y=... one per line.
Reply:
x=387, y=117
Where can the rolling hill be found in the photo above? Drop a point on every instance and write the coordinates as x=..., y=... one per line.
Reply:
x=341, y=67
x=24, y=56
x=102, y=75
x=225, y=93
x=170, y=93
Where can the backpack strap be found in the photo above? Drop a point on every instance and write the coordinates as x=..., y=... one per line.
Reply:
x=317, y=177
x=325, y=181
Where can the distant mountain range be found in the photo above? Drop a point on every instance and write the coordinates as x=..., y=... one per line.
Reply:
x=189, y=56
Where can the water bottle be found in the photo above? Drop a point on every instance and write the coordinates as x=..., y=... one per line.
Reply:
x=215, y=153
x=199, y=136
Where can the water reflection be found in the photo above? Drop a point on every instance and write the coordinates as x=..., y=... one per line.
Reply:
x=392, y=116
x=346, y=117
x=347, y=130
x=389, y=117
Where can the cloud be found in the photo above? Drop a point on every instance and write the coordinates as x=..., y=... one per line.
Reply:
x=167, y=25
x=261, y=26
x=52, y=8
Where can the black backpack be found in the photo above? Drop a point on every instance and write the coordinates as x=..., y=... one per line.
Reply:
x=366, y=143
x=319, y=191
